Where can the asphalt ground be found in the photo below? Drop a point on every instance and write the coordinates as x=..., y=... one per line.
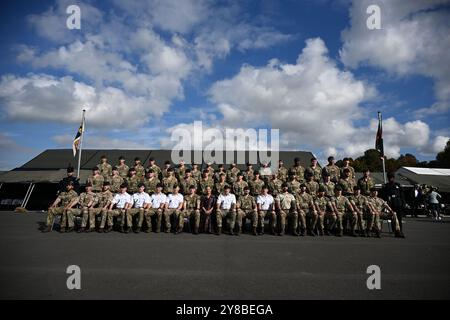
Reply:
x=185, y=266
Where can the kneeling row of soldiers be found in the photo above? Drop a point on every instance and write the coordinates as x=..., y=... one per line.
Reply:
x=319, y=215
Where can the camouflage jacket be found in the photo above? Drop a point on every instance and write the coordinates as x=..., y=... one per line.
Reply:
x=246, y=203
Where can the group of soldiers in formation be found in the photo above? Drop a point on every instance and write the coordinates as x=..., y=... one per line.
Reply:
x=305, y=201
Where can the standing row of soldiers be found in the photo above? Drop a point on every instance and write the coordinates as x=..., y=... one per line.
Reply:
x=294, y=195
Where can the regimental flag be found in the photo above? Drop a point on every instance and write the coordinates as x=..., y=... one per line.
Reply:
x=379, y=138
x=77, y=140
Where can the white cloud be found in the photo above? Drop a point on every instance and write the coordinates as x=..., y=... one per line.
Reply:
x=313, y=103
x=414, y=39
x=41, y=97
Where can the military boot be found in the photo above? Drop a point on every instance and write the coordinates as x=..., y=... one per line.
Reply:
x=219, y=231
x=255, y=233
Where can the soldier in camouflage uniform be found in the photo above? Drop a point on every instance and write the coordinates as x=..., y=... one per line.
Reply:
x=306, y=211
x=248, y=174
x=140, y=170
x=285, y=205
x=343, y=209
x=165, y=171
x=322, y=205
x=123, y=168
x=153, y=166
x=120, y=203
x=298, y=171
x=59, y=206
x=275, y=185
x=239, y=185
x=141, y=204
x=187, y=182
x=105, y=168
x=116, y=180
x=220, y=185
x=332, y=169
x=256, y=185
x=151, y=181
x=359, y=203
x=346, y=183
x=312, y=187
x=226, y=208
x=169, y=182
x=96, y=180
x=346, y=165
x=377, y=207
x=266, y=207
x=246, y=208
x=220, y=170
x=196, y=174
x=174, y=205
x=205, y=181
x=157, y=208
x=132, y=181
x=191, y=210
x=283, y=172
x=104, y=200
x=181, y=170
x=293, y=184
x=328, y=185
x=86, y=200
x=365, y=183
x=232, y=174
x=315, y=170
x=265, y=172
x=210, y=170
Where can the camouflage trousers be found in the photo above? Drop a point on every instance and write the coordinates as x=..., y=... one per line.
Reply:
x=115, y=213
x=352, y=218
x=189, y=213
x=93, y=212
x=149, y=213
x=286, y=214
x=320, y=220
x=243, y=214
x=302, y=214
x=330, y=220
x=229, y=214
x=311, y=219
x=74, y=212
x=52, y=212
x=167, y=214
x=131, y=213
x=374, y=220
x=360, y=219
x=272, y=218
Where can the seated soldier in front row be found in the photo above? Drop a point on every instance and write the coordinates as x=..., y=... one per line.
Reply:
x=86, y=201
x=119, y=205
x=377, y=211
x=59, y=206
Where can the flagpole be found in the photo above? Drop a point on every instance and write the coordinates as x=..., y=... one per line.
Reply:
x=380, y=119
x=81, y=144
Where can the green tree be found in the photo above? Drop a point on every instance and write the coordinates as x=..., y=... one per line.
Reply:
x=443, y=157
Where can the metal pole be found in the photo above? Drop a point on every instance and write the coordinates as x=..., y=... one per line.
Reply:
x=81, y=144
x=29, y=195
x=384, y=171
x=26, y=195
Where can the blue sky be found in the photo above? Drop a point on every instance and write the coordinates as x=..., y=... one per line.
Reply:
x=147, y=68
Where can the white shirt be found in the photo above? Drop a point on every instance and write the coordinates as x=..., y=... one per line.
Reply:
x=140, y=199
x=121, y=199
x=174, y=200
x=265, y=201
x=157, y=199
x=225, y=202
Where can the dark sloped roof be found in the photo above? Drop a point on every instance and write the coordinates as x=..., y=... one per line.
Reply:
x=55, y=159
x=50, y=165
